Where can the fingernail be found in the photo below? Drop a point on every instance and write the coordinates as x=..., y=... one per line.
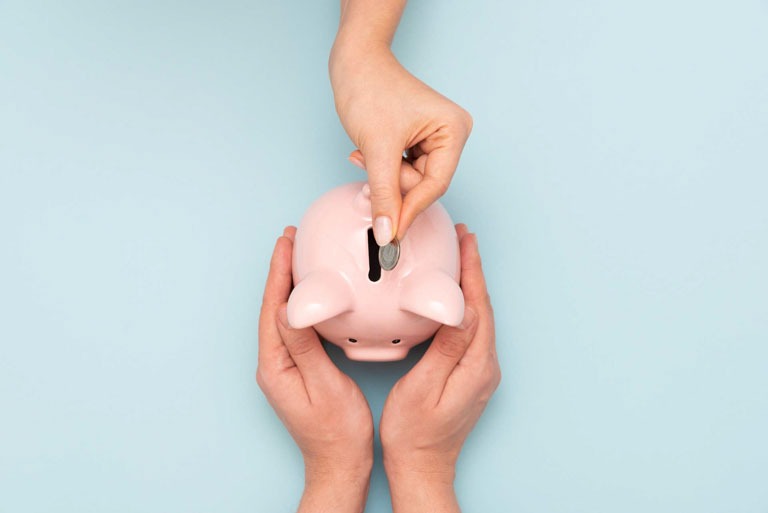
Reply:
x=282, y=316
x=477, y=246
x=357, y=162
x=382, y=230
x=469, y=319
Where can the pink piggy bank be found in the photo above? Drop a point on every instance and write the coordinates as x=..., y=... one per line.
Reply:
x=340, y=288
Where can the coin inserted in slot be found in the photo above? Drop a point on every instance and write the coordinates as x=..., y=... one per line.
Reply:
x=389, y=255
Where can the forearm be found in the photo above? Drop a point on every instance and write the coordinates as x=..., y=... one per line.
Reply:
x=369, y=21
x=334, y=493
x=422, y=493
x=366, y=30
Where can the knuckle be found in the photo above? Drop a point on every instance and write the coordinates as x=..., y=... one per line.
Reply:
x=464, y=120
x=489, y=383
x=441, y=185
x=495, y=380
x=436, y=185
x=489, y=372
x=302, y=344
x=485, y=396
x=452, y=346
x=469, y=122
x=262, y=379
x=383, y=194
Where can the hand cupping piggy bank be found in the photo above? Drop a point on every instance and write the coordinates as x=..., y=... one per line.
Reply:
x=342, y=290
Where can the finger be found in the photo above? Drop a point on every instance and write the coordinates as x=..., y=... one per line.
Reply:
x=383, y=161
x=448, y=347
x=307, y=352
x=410, y=175
x=356, y=157
x=276, y=292
x=439, y=169
x=420, y=164
x=279, y=279
x=414, y=152
x=482, y=349
x=472, y=278
x=475, y=291
x=461, y=231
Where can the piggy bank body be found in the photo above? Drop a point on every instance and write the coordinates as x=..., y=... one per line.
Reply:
x=340, y=289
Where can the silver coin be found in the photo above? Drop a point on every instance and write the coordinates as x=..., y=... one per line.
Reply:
x=389, y=255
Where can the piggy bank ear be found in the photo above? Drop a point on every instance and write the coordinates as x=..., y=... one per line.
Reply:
x=319, y=297
x=434, y=295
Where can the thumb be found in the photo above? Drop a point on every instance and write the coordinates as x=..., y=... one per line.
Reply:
x=304, y=347
x=445, y=352
x=382, y=162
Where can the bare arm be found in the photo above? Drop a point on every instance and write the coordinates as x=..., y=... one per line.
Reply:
x=387, y=111
x=368, y=22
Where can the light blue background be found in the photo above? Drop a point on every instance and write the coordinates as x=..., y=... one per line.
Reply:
x=151, y=152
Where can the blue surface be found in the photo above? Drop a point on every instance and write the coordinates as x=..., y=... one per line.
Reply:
x=151, y=152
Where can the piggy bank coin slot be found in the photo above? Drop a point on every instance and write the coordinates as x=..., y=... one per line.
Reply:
x=374, y=267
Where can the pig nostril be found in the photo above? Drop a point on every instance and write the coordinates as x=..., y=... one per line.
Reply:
x=396, y=341
x=353, y=340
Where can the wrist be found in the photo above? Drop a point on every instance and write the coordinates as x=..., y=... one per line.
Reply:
x=368, y=23
x=438, y=477
x=430, y=464
x=422, y=490
x=348, y=468
x=334, y=488
x=351, y=51
x=350, y=41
